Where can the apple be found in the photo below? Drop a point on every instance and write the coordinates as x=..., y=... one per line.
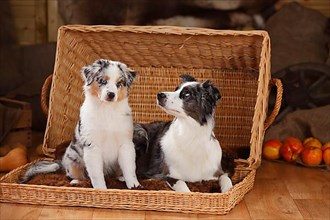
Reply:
x=271, y=149
x=326, y=153
x=312, y=142
x=326, y=145
x=291, y=149
x=311, y=156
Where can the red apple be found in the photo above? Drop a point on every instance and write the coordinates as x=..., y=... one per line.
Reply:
x=271, y=149
x=326, y=145
x=326, y=153
x=311, y=156
x=312, y=142
x=291, y=149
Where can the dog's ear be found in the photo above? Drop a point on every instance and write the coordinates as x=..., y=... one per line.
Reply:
x=88, y=74
x=212, y=90
x=91, y=71
x=131, y=74
x=187, y=78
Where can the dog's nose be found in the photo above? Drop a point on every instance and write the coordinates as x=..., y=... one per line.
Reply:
x=111, y=95
x=161, y=95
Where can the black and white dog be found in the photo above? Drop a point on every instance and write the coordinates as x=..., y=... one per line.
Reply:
x=102, y=142
x=185, y=149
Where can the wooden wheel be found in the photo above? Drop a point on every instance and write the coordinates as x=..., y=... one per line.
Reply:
x=306, y=85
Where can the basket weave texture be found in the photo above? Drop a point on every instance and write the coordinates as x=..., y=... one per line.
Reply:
x=237, y=62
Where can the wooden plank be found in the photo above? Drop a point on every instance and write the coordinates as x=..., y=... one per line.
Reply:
x=316, y=182
x=239, y=212
x=14, y=102
x=150, y=215
x=25, y=118
x=25, y=23
x=54, y=20
x=117, y=214
x=41, y=21
x=22, y=2
x=57, y=212
x=23, y=11
x=314, y=208
x=25, y=36
x=25, y=29
x=269, y=199
x=267, y=171
x=19, y=211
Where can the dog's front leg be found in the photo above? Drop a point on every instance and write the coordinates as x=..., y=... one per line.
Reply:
x=177, y=185
x=225, y=183
x=94, y=166
x=126, y=160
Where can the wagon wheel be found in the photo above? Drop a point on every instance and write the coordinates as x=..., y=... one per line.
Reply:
x=306, y=85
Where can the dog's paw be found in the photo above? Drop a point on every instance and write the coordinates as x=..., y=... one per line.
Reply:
x=180, y=186
x=121, y=178
x=99, y=186
x=74, y=182
x=132, y=184
x=225, y=183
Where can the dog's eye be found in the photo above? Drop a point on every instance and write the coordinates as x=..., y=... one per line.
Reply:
x=187, y=94
x=102, y=82
x=119, y=84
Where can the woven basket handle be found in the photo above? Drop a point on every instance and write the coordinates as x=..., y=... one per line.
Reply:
x=45, y=94
x=278, y=101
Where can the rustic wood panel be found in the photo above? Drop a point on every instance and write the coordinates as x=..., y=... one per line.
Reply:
x=118, y=214
x=19, y=212
x=41, y=21
x=56, y=212
x=314, y=208
x=23, y=11
x=54, y=20
x=22, y=2
x=271, y=200
x=36, y=21
x=239, y=212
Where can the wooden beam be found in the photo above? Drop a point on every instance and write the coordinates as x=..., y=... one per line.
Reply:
x=54, y=20
x=41, y=21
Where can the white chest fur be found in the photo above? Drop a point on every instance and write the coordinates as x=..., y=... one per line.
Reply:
x=107, y=126
x=191, y=154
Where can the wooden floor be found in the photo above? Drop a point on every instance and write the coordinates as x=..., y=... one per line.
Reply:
x=281, y=191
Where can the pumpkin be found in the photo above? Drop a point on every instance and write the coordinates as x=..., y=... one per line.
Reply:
x=14, y=158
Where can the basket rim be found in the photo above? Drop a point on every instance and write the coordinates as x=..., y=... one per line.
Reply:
x=14, y=192
x=21, y=168
x=168, y=30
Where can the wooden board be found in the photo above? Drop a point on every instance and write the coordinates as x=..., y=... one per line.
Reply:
x=30, y=20
x=25, y=119
x=20, y=130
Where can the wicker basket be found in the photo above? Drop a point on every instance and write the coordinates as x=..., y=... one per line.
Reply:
x=237, y=62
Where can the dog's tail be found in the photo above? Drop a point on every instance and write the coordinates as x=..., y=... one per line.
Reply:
x=140, y=139
x=40, y=168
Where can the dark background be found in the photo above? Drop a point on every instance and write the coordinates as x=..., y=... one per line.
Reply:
x=299, y=40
